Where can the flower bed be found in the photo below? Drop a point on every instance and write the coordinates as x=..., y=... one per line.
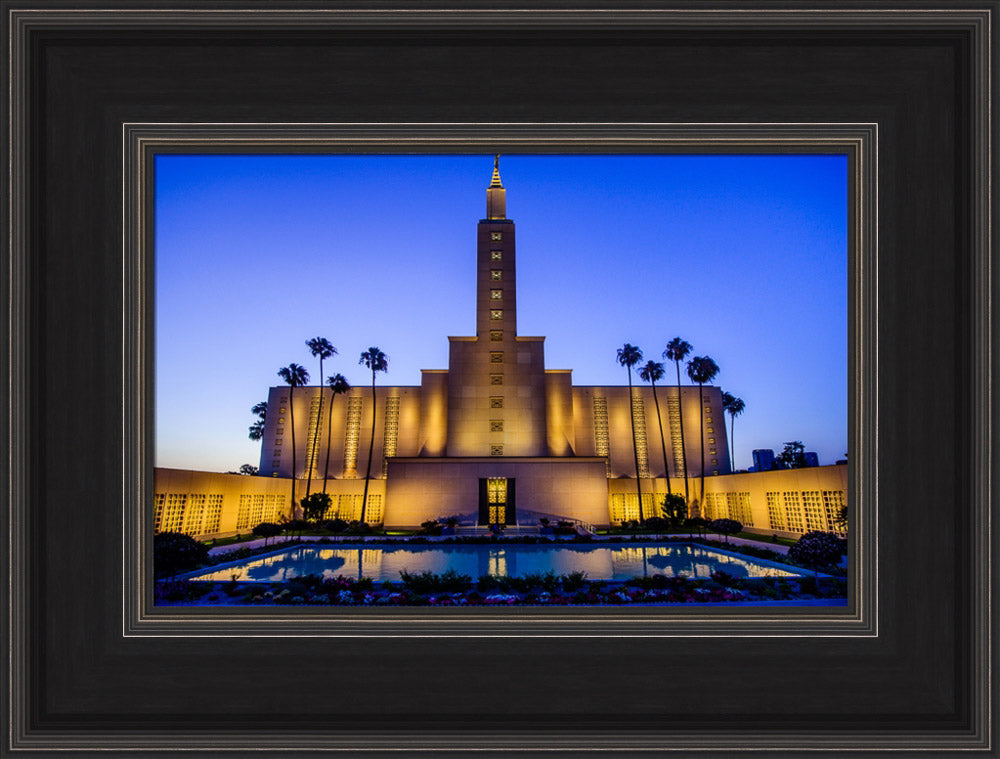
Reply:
x=450, y=589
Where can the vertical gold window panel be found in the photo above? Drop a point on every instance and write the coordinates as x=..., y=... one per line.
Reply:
x=639, y=422
x=351, y=438
x=195, y=514
x=391, y=435
x=793, y=510
x=315, y=423
x=833, y=502
x=213, y=513
x=601, y=430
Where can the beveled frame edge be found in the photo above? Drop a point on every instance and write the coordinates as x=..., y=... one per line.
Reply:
x=141, y=142
x=975, y=18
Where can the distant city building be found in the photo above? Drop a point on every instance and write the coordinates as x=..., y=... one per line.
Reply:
x=763, y=459
x=811, y=458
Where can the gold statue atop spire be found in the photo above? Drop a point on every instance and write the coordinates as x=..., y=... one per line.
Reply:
x=495, y=182
x=496, y=195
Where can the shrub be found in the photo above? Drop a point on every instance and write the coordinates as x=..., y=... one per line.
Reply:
x=427, y=582
x=725, y=526
x=673, y=507
x=335, y=525
x=267, y=530
x=431, y=527
x=315, y=505
x=817, y=550
x=174, y=552
x=574, y=581
x=655, y=524
x=295, y=525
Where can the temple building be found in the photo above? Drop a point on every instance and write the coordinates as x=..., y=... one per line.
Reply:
x=494, y=438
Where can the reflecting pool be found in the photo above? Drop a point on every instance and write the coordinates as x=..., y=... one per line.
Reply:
x=600, y=562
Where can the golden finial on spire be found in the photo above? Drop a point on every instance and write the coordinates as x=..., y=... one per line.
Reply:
x=495, y=182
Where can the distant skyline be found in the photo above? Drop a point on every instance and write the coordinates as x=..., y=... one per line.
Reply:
x=745, y=257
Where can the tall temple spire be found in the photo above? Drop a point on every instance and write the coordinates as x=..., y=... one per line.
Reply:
x=496, y=195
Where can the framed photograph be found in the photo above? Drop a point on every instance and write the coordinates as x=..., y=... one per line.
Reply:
x=115, y=115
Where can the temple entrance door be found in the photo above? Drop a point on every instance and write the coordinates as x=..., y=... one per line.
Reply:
x=496, y=501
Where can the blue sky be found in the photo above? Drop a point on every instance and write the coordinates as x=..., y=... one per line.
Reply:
x=745, y=257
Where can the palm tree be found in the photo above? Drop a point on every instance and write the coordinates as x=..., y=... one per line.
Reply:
x=735, y=407
x=629, y=356
x=678, y=350
x=294, y=376
x=377, y=361
x=651, y=372
x=318, y=346
x=702, y=369
x=339, y=385
x=257, y=428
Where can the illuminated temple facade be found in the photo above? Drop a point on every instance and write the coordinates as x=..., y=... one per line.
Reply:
x=495, y=437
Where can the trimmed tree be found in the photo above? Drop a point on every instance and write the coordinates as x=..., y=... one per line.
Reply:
x=339, y=385
x=650, y=372
x=817, y=550
x=734, y=407
x=726, y=527
x=702, y=369
x=320, y=347
x=377, y=361
x=294, y=376
x=629, y=356
x=678, y=350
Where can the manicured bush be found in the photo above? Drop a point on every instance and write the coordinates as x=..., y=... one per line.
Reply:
x=817, y=550
x=267, y=530
x=315, y=505
x=336, y=525
x=725, y=526
x=174, y=552
x=431, y=527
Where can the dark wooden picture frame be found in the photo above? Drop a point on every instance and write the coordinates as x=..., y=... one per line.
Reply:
x=91, y=667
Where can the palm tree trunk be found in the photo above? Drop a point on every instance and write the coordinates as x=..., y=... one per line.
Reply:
x=663, y=443
x=701, y=416
x=291, y=422
x=635, y=447
x=680, y=411
x=371, y=450
x=329, y=424
x=319, y=416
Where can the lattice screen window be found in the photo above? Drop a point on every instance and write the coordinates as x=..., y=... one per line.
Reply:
x=274, y=507
x=496, y=425
x=793, y=510
x=256, y=510
x=496, y=401
x=243, y=513
x=159, y=501
x=496, y=315
x=746, y=512
x=732, y=508
x=195, y=514
x=496, y=450
x=496, y=294
x=601, y=446
x=351, y=437
x=708, y=506
x=496, y=255
x=349, y=507
x=676, y=446
x=496, y=357
x=496, y=274
x=391, y=434
x=639, y=422
x=496, y=379
x=775, y=514
x=813, y=506
x=496, y=335
x=496, y=236
x=617, y=507
x=373, y=514
x=213, y=513
x=312, y=437
x=173, y=512
x=833, y=502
